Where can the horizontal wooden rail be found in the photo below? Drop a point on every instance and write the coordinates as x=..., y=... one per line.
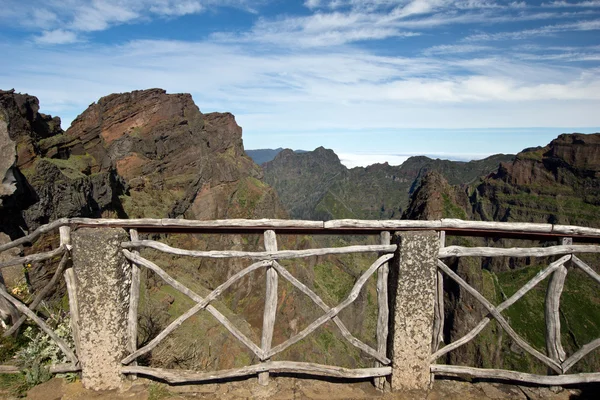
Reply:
x=342, y=226
x=554, y=380
x=185, y=376
x=54, y=369
x=259, y=255
x=459, y=251
x=33, y=257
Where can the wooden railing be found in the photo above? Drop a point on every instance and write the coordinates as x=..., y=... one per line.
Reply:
x=268, y=260
x=555, y=358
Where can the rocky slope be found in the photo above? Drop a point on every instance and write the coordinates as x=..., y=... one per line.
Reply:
x=558, y=183
x=139, y=154
x=144, y=153
x=315, y=185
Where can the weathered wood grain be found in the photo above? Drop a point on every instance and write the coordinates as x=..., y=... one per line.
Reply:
x=579, y=354
x=270, y=310
x=71, y=283
x=134, y=301
x=54, y=369
x=34, y=257
x=35, y=234
x=540, y=276
x=335, y=310
x=556, y=283
x=201, y=304
x=383, y=311
x=192, y=223
x=453, y=370
x=258, y=255
x=586, y=268
x=183, y=376
x=318, y=301
x=459, y=251
x=41, y=294
x=392, y=224
x=501, y=321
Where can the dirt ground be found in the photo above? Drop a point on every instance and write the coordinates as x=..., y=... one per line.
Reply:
x=290, y=388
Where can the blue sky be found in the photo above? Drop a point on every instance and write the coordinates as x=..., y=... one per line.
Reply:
x=374, y=80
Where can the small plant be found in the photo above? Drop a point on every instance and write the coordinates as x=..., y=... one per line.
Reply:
x=41, y=351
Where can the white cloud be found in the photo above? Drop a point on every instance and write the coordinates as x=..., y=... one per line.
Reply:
x=351, y=160
x=587, y=25
x=57, y=36
x=583, y=4
x=97, y=15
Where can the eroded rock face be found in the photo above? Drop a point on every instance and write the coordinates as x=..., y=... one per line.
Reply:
x=558, y=184
x=8, y=156
x=170, y=156
x=139, y=154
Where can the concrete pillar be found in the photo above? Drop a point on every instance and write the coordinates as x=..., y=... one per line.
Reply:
x=103, y=277
x=412, y=290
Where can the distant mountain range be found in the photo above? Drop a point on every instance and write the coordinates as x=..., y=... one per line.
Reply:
x=316, y=185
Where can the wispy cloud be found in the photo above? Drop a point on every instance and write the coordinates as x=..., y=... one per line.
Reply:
x=563, y=4
x=589, y=25
x=322, y=72
x=57, y=36
x=59, y=17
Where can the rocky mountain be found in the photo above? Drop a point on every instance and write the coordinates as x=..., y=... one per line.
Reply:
x=315, y=185
x=145, y=153
x=557, y=183
x=261, y=156
x=139, y=154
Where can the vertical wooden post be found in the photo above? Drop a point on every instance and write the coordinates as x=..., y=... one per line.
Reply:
x=383, y=317
x=134, y=301
x=438, y=320
x=270, y=304
x=69, y=275
x=552, y=312
x=414, y=289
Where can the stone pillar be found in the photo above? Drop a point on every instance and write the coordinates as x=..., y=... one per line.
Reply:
x=103, y=277
x=412, y=289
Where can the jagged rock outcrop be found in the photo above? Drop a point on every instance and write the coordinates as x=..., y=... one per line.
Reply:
x=139, y=154
x=302, y=180
x=558, y=183
x=315, y=184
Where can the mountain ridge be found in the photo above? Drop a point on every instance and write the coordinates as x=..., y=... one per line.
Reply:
x=316, y=185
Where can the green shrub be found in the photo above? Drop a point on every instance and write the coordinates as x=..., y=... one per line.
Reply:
x=41, y=351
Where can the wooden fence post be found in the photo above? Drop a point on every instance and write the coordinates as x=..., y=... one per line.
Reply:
x=413, y=282
x=383, y=316
x=270, y=304
x=551, y=310
x=103, y=279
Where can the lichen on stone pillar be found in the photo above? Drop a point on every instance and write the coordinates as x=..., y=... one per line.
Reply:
x=413, y=281
x=103, y=277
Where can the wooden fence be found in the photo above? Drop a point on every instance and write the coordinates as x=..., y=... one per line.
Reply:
x=387, y=253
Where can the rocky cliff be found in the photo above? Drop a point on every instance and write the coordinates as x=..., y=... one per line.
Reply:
x=557, y=183
x=140, y=154
x=315, y=184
